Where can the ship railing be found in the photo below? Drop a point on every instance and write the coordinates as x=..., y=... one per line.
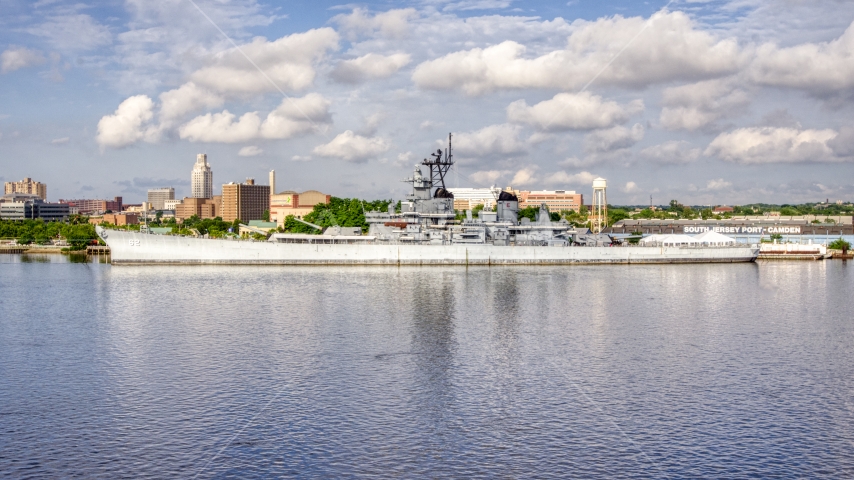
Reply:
x=689, y=245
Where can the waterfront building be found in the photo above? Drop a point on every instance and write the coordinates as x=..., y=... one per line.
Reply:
x=201, y=207
x=202, y=178
x=754, y=225
x=27, y=185
x=244, y=201
x=157, y=197
x=24, y=206
x=91, y=206
x=52, y=212
x=299, y=205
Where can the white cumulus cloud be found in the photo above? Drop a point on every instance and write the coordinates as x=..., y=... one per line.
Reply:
x=288, y=62
x=250, y=151
x=501, y=140
x=570, y=111
x=525, y=176
x=187, y=98
x=352, y=148
x=369, y=67
x=671, y=48
x=223, y=127
x=758, y=145
x=820, y=68
x=292, y=118
x=130, y=123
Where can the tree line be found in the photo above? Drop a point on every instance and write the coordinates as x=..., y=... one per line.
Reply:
x=77, y=232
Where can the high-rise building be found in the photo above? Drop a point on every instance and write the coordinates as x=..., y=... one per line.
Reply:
x=27, y=185
x=599, y=216
x=202, y=181
x=244, y=201
x=157, y=197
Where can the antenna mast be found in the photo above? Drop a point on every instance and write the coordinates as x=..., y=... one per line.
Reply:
x=438, y=166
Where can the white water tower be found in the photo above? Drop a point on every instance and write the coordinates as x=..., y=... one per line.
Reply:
x=599, y=219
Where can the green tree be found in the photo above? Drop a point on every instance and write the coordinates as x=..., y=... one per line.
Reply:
x=839, y=244
x=26, y=238
x=266, y=216
x=646, y=213
x=529, y=212
x=616, y=214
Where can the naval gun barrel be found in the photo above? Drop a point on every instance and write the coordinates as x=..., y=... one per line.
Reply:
x=309, y=224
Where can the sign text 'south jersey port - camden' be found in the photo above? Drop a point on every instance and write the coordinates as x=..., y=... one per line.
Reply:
x=790, y=230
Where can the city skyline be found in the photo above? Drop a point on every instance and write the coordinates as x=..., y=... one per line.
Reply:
x=742, y=102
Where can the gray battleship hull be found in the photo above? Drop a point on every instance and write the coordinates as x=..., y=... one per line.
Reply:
x=131, y=248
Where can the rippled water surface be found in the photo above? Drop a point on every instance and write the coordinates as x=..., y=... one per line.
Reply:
x=678, y=371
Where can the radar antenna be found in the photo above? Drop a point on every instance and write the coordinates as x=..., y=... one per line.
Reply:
x=438, y=166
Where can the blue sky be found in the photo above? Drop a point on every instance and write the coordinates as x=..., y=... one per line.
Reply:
x=725, y=102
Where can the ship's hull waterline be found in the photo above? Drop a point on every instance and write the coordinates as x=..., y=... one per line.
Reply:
x=131, y=248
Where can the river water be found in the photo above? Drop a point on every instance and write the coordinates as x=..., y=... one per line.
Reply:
x=735, y=371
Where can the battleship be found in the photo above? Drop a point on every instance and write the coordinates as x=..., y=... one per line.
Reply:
x=424, y=232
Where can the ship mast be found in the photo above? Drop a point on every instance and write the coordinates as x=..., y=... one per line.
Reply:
x=439, y=166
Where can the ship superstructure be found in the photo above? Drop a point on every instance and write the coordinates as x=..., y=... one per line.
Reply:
x=427, y=217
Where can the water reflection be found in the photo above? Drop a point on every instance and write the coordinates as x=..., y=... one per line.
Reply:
x=35, y=258
x=78, y=258
x=589, y=372
x=433, y=344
